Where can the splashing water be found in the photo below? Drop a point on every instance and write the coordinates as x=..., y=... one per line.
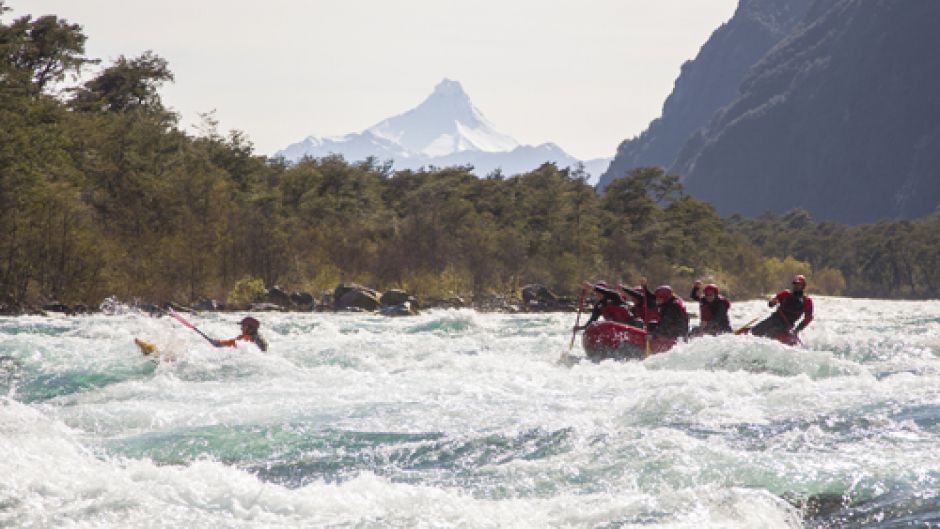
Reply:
x=461, y=419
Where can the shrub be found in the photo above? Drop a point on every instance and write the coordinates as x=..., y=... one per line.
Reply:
x=246, y=290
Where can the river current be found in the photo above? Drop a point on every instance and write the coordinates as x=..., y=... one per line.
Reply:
x=461, y=419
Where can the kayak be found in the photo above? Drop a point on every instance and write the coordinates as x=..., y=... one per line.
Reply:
x=153, y=352
x=610, y=339
x=146, y=348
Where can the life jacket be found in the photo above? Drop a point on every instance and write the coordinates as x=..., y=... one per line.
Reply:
x=645, y=313
x=793, y=306
x=708, y=310
x=614, y=312
x=674, y=319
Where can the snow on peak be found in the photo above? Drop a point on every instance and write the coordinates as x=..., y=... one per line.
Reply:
x=445, y=118
x=448, y=88
x=445, y=129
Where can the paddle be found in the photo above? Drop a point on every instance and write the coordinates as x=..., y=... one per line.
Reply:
x=577, y=322
x=185, y=323
x=747, y=326
x=646, y=320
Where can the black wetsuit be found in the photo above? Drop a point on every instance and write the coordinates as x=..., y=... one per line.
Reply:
x=793, y=306
x=673, y=319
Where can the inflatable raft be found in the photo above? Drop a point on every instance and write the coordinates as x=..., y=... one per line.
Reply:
x=609, y=339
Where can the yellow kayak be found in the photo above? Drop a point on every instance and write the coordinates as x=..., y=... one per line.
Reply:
x=146, y=348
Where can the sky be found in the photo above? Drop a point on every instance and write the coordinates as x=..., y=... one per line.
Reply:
x=583, y=74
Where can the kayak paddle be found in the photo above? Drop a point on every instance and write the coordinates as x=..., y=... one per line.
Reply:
x=185, y=323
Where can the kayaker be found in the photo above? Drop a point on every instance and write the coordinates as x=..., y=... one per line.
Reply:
x=607, y=304
x=673, y=318
x=791, y=305
x=712, y=308
x=249, y=333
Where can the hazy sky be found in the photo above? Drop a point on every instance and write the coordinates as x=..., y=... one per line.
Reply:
x=584, y=74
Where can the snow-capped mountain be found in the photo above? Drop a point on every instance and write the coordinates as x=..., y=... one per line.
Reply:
x=446, y=129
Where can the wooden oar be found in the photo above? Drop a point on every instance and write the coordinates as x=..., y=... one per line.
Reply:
x=747, y=326
x=577, y=322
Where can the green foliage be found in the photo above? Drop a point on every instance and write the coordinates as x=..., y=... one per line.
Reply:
x=246, y=290
x=778, y=273
x=896, y=259
x=34, y=54
x=104, y=194
x=127, y=85
x=829, y=282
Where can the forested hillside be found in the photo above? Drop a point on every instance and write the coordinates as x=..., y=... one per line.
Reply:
x=103, y=193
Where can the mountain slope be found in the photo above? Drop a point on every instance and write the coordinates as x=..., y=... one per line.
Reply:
x=842, y=118
x=709, y=82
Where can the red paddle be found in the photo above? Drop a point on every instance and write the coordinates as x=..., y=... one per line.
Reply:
x=185, y=323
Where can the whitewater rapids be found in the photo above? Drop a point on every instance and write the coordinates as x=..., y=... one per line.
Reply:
x=460, y=419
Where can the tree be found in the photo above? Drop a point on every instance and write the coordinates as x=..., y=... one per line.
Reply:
x=37, y=53
x=125, y=86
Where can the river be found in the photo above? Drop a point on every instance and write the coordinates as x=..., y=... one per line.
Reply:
x=462, y=419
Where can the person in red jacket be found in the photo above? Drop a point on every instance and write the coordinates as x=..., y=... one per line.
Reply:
x=791, y=305
x=607, y=304
x=644, y=311
x=249, y=334
x=673, y=318
x=713, y=310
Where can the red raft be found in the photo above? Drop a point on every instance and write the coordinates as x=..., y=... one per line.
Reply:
x=609, y=339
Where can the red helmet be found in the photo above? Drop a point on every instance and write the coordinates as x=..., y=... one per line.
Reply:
x=711, y=287
x=250, y=322
x=663, y=292
x=799, y=279
x=601, y=284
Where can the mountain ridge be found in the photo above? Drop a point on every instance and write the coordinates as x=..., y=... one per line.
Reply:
x=842, y=118
x=445, y=129
x=708, y=82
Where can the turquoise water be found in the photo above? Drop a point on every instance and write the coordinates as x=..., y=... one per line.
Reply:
x=461, y=419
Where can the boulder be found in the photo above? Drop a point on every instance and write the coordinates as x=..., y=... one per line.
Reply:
x=354, y=295
x=55, y=306
x=455, y=302
x=151, y=310
x=206, y=305
x=277, y=296
x=404, y=309
x=342, y=288
x=539, y=294
x=392, y=298
x=302, y=299
x=364, y=299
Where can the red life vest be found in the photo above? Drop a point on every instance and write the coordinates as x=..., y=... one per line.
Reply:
x=613, y=312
